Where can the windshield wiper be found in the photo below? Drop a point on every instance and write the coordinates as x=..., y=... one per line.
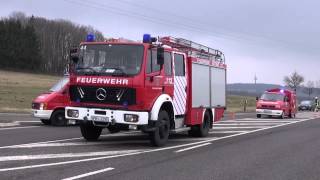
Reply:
x=84, y=70
x=116, y=72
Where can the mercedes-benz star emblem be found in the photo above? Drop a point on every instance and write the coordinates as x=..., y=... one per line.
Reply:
x=101, y=94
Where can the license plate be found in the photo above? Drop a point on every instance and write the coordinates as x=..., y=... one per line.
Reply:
x=267, y=111
x=100, y=118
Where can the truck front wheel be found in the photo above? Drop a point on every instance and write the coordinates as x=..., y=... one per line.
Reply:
x=90, y=132
x=159, y=137
x=258, y=115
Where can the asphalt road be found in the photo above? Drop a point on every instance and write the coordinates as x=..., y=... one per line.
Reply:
x=239, y=147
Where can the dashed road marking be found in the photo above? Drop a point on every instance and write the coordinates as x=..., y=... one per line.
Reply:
x=24, y=127
x=226, y=132
x=64, y=155
x=193, y=147
x=89, y=174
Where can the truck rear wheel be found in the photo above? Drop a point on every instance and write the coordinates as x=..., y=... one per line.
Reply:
x=201, y=130
x=90, y=132
x=159, y=137
x=58, y=118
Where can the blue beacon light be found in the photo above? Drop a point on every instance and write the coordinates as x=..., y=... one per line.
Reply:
x=90, y=38
x=146, y=38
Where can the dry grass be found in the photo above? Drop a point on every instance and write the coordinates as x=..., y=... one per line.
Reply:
x=235, y=103
x=18, y=89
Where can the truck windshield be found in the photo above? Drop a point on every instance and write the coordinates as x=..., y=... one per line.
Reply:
x=60, y=84
x=272, y=97
x=110, y=59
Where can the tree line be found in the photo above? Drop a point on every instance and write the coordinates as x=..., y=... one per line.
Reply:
x=37, y=44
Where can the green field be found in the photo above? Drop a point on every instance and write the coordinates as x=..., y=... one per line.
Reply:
x=18, y=89
x=235, y=103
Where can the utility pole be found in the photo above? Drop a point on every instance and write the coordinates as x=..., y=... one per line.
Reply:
x=255, y=79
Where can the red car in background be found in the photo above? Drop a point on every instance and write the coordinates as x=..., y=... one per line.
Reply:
x=277, y=102
x=49, y=106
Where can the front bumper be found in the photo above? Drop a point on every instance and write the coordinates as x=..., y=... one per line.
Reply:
x=108, y=115
x=42, y=114
x=269, y=112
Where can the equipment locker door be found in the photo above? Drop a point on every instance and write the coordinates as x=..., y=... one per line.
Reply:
x=180, y=84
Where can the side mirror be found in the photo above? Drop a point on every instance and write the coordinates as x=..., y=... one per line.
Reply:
x=74, y=57
x=160, y=56
x=257, y=98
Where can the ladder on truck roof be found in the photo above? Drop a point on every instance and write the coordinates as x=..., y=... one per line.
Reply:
x=193, y=49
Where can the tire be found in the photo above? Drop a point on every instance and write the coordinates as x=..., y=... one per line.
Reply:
x=201, y=130
x=282, y=115
x=90, y=132
x=258, y=115
x=160, y=136
x=58, y=118
x=46, y=121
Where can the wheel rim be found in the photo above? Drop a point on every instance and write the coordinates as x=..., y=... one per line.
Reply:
x=60, y=120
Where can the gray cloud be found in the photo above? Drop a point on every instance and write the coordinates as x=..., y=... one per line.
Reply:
x=270, y=38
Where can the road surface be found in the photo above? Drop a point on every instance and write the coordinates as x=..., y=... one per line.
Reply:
x=241, y=148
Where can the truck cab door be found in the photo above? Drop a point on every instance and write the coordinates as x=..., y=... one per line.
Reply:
x=180, y=84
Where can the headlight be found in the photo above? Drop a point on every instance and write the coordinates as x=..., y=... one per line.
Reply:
x=73, y=113
x=43, y=106
x=278, y=106
x=131, y=118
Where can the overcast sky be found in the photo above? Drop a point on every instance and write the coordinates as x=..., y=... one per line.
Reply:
x=269, y=38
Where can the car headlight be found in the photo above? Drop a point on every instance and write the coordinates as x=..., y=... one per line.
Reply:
x=73, y=113
x=43, y=106
x=131, y=118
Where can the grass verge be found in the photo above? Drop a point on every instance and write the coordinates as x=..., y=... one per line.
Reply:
x=18, y=89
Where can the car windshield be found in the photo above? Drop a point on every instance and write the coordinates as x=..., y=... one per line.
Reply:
x=60, y=84
x=305, y=102
x=272, y=97
x=110, y=59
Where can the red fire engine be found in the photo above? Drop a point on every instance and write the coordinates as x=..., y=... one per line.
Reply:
x=277, y=102
x=159, y=86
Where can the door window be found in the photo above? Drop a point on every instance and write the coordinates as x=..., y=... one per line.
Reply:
x=179, y=66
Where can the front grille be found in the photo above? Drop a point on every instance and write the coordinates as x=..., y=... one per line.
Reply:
x=108, y=95
x=268, y=106
x=35, y=105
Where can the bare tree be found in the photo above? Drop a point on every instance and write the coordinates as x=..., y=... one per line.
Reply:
x=294, y=80
x=309, y=87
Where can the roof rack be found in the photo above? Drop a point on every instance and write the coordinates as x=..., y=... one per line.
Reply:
x=193, y=49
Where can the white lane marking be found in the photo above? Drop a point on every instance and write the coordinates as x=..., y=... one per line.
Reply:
x=240, y=127
x=85, y=143
x=244, y=124
x=193, y=147
x=89, y=174
x=9, y=124
x=226, y=132
x=24, y=127
x=62, y=140
x=64, y=155
x=249, y=121
x=143, y=152
x=27, y=121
